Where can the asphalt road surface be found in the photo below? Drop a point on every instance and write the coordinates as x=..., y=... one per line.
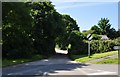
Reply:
x=60, y=64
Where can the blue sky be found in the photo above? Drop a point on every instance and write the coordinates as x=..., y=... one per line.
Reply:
x=88, y=14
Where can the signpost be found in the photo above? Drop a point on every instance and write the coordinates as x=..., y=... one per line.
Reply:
x=116, y=47
x=89, y=49
x=89, y=38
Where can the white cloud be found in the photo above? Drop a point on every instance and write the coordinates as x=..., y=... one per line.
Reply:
x=62, y=0
x=85, y=0
x=80, y=4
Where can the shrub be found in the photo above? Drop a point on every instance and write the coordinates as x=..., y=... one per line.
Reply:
x=100, y=46
x=117, y=41
x=94, y=46
x=78, y=46
x=96, y=37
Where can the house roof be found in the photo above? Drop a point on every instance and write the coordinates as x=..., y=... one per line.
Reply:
x=104, y=37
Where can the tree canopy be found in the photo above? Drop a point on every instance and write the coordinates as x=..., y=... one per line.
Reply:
x=104, y=28
x=16, y=29
x=104, y=25
x=96, y=29
x=36, y=27
x=33, y=29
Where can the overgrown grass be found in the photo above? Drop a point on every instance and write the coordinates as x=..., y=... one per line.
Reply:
x=85, y=58
x=9, y=62
x=107, y=61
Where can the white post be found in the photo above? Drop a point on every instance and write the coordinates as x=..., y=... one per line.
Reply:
x=89, y=49
x=89, y=36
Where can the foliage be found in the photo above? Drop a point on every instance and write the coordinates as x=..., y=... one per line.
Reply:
x=31, y=30
x=85, y=33
x=77, y=44
x=117, y=41
x=96, y=29
x=47, y=26
x=35, y=28
x=104, y=26
x=96, y=37
x=118, y=33
x=112, y=33
x=70, y=23
x=16, y=30
x=100, y=46
x=69, y=26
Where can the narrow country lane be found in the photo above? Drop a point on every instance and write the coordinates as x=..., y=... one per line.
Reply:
x=60, y=64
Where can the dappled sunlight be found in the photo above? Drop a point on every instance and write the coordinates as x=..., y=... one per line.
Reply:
x=58, y=64
x=55, y=64
x=46, y=69
x=27, y=64
x=61, y=51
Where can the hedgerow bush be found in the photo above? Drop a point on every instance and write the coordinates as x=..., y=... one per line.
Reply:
x=117, y=41
x=96, y=37
x=94, y=46
x=78, y=46
x=100, y=46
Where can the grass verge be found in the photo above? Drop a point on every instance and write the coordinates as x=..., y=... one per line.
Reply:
x=107, y=61
x=85, y=58
x=9, y=62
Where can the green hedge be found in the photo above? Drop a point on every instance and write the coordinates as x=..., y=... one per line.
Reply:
x=97, y=46
x=100, y=46
x=117, y=41
x=78, y=46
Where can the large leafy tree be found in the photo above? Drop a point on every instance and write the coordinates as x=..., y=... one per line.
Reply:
x=96, y=29
x=118, y=33
x=112, y=33
x=69, y=25
x=47, y=26
x=105, y=28
x=16, y=29
x=104, y=25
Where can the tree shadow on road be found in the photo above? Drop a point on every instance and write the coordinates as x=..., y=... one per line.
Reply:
x=52, y=66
